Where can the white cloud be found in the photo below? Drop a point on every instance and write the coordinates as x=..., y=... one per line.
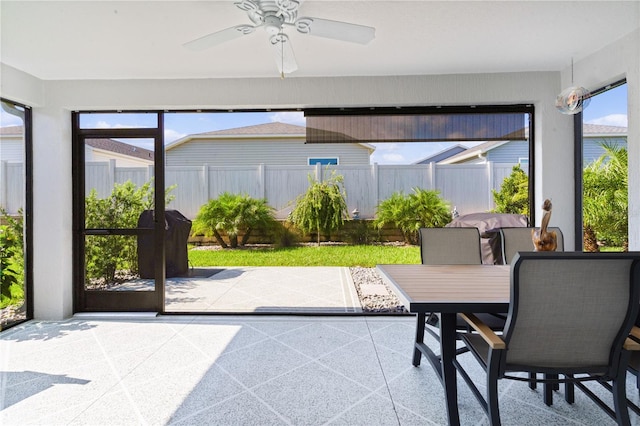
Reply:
x=291, y=117
x=172, y=135
x=387, y=146
x=611, y=120
x=105, y=125
x=388, y=158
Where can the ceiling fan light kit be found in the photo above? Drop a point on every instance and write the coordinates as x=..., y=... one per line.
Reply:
x=274, y=16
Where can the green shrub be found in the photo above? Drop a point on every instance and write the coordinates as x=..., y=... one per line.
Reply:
x=106, y=255
x=285, y=234
x=323, y=208
x=232, y=214
x=362, y=232
x=513, y=196
x=421, y=209
x=11, y=259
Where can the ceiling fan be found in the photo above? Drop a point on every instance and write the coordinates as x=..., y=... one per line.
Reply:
x=274, y=16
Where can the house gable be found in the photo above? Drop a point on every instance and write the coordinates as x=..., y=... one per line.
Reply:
x=271, y=144
x=516, y=152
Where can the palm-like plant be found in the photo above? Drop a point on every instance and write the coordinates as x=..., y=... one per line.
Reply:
x=421, y=209
x=232, y=214
x=605, y=198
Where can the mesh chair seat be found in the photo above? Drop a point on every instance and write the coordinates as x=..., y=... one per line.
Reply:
x=514, y=240
x=570, y=315
x=455, y=246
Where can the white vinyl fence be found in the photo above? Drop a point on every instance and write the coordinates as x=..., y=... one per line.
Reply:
x=11, y=186
x=467, y=187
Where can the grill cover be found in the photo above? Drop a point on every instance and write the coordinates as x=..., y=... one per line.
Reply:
x=489, y=225
x=177, y=230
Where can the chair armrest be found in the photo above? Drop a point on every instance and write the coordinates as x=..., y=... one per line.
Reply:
x=493, y=340
x=632, y=343
x=635, y=333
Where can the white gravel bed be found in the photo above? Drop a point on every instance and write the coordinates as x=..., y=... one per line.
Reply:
x=375, y=301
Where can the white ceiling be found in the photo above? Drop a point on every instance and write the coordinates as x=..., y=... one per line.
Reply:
x=86, y=39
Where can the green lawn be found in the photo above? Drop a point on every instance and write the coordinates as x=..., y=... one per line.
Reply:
x=363, y=255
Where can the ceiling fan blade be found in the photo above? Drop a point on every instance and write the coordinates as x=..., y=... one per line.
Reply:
x=336, y=30
x=219, y=37
x=283, y=53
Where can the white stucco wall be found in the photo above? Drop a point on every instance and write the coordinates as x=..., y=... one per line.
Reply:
x=553, y=140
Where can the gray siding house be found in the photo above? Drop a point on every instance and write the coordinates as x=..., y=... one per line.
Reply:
x=123, y=154
x=595, y=135
x=517, y=152
x=96, y=150
x=278, y=144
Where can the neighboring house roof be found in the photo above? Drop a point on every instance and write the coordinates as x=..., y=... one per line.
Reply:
x=104, y=144
x=11, y=130
x=445, y=153
x=267, y=130
x=275, y=128
x=594, y=130
x=120, y=148
x=588, y=130
x=476, y=151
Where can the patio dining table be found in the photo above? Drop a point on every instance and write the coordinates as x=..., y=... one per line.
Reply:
x=447, y=290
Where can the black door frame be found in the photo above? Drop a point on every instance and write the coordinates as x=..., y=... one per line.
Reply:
x=27, y=124
x=130, y=301
x=578, y=167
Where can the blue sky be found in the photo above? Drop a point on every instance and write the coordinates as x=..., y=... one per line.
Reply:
x=609, y=108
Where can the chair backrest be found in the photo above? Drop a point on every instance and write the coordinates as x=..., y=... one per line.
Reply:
x=450, y=246
x=570, y=312
x=514, y=240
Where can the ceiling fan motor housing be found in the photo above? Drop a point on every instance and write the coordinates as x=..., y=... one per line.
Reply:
x=272, y=24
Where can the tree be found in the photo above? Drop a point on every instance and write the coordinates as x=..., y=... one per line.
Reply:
x=323, y=208
x=230, y=215
x=421, y=209
x=605, y=199
x=513, y=196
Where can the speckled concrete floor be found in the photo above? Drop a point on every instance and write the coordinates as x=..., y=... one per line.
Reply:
x=244, y=370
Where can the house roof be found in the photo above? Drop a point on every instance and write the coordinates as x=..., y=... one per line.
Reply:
x=11, y=130
x=589, y=130
x=598, y=129
x=268, y=130
x=275, y=128
x=441, y=155
x=105, y=144
x=120, y=148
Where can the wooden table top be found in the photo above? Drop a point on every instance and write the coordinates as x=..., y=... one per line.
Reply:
x=450, y=288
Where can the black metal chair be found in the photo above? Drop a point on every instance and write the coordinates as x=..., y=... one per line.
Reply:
x=450, y=246
x=454, y=246
x=569, y=319
x=519, y=239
